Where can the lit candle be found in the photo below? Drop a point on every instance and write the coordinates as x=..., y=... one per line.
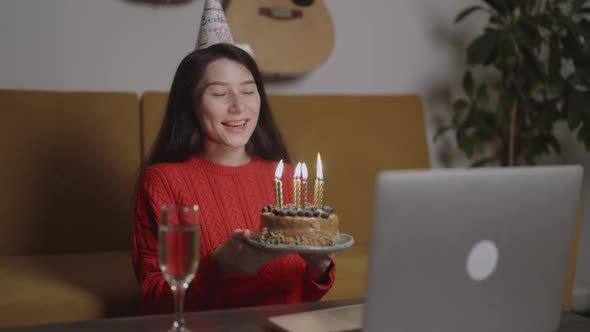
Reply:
x=318, y=193
x=304, y=184
x=279, y=185
x=297, y=186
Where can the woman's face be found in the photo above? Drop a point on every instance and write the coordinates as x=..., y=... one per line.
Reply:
x=229, y=104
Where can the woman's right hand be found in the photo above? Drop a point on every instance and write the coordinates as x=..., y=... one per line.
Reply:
x=236, y=255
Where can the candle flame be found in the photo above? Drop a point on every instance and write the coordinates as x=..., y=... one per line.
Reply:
x=304, y=171
x=297, y=171
x=279, y=171
x=319, y=171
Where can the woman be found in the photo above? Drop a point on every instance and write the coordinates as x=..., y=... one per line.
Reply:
x=218, y=147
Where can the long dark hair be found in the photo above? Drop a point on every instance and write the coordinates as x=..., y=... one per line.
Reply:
x=181, y=134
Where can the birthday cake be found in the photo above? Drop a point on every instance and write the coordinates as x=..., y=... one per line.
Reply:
x=299, y=223
x=307, y=226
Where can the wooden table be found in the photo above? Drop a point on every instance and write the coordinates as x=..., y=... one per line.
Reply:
x=245, y=319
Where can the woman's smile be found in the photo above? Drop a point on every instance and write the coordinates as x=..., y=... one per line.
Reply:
x=235, y=126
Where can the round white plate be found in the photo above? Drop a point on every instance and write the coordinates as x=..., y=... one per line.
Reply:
x=344, y=242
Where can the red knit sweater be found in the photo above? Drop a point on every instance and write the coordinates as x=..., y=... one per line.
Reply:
x=228, y=198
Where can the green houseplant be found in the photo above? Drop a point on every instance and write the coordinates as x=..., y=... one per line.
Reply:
x=538, y=55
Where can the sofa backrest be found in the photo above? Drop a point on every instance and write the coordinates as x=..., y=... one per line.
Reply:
x=69, y=164
x=152, y=108
x=357, y=136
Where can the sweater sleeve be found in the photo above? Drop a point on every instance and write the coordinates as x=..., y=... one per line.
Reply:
x=313, y=290
x=155, y=293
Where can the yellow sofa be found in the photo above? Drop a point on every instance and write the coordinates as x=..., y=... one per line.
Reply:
x=70, y=160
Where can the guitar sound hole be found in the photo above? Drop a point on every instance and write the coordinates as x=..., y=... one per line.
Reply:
x=303, y=3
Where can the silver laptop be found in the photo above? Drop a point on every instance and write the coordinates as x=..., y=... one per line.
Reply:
x=471, y=250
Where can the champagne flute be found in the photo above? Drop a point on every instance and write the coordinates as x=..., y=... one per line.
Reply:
x=179, y=240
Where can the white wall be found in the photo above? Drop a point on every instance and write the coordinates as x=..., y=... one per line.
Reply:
x=382, y=47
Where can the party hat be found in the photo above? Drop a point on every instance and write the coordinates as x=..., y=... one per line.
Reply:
x=214, y=28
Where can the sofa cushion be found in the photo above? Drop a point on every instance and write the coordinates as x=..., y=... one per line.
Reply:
x=45, y=289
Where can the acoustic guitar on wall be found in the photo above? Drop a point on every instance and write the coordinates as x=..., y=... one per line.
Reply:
x=288, y=37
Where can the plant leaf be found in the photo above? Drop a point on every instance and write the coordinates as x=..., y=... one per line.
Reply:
x=460, y=105
x=572, y=48
x=482, y=94
x=480, y=51
x=532, y=68
x=466, y=144
x=466, y=12
x=485, y=125
x=468, y=83
x=497, y=6
x=569, y=24
x=554, y=66
x=527, y=5
x=529, y=25
x=526, y=39
x=511, y=5
x=579, y=101
x=495, y=19
x=581, y=76
x=545, y=20
x=577, y=104
x=577, y=4
x=506, y=52
x=441, y=131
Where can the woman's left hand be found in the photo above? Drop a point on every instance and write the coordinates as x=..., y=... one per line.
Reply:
x=318, y=264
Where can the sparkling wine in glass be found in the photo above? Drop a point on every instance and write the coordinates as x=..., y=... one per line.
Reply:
x=179, y=239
